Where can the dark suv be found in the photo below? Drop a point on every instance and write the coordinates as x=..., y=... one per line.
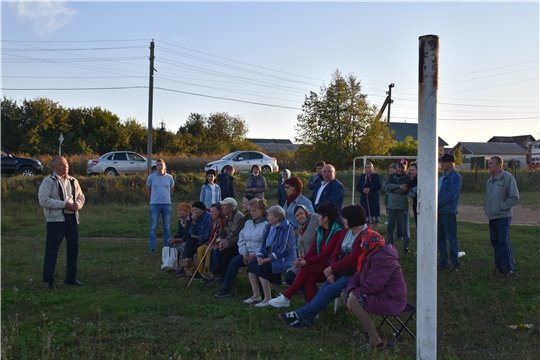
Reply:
x=12, y=165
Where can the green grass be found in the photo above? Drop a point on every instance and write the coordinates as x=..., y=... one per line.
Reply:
x=131, y=309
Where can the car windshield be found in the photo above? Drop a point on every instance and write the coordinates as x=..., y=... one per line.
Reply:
x=230, y=156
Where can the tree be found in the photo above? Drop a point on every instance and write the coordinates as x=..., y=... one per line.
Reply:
x=409, y=146
x=11, y=127
x=338, y=124
x=458, y=156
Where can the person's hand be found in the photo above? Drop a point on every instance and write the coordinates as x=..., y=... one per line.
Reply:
x=366, y=191
x=260, y=261
x=71, y=207
x=223, y=244
x=331, y=278
x=403, y=187
x=171, y=241
x=193, y=236
x=328, y=271
x=300, y=262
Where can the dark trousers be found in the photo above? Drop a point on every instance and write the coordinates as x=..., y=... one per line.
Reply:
x=56, y=231
x=225, y=257
x=191, y=248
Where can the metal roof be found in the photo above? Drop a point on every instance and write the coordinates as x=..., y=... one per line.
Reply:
x=492, y=148
x=402, y=130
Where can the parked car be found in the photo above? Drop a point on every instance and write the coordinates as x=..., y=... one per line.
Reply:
x=118, y=162
x=243, y=161
x=12, y=165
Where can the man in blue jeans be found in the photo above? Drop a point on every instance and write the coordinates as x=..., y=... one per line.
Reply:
x=501, y=196
x=160, y=187
x=450, y=183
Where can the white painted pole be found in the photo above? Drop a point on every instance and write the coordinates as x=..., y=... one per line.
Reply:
x=426, y=292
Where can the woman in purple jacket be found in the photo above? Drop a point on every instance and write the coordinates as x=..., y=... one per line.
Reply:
x=377, y=287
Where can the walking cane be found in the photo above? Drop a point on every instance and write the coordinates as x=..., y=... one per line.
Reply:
x=368, y=209
x=202, y=260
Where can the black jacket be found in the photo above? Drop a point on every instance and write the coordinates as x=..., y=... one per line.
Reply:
x=225, y=181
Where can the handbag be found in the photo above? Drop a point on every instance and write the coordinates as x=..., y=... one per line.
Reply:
x=168, y=258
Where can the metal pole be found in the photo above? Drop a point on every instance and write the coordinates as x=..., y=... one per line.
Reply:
x=390, y=101
x=150, y=110
x=426, y=294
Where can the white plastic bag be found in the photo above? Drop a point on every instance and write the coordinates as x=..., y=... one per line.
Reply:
x=168, y=258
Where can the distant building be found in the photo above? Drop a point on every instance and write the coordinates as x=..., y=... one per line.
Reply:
x=402, y=130
x=275, y=146
x=534, y=149
x=511, y=153
x=522, y=140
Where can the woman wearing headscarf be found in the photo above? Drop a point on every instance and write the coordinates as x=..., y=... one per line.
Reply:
x=293, y=188
x=316, y=259
x=276, y=254
x=219, y=222
x=178, y=241
x=377, y=287
x=281, y=193
x=255, y=184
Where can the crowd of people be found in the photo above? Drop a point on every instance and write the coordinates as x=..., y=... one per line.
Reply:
x=323, y=249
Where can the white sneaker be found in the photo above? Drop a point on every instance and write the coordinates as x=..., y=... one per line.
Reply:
x=262, y=304
x=252, y=300
x=280, y=301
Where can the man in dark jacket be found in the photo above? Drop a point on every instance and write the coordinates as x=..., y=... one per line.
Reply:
x=330, y=190
x=449, y=187
x=225, y=181
x=397, y=209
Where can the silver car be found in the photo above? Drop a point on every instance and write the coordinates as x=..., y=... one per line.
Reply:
x=243, y=161
x=118, y=162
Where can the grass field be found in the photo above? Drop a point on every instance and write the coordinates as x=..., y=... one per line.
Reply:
x=130, y=309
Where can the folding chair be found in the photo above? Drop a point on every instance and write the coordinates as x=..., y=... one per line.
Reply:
x=397, y=333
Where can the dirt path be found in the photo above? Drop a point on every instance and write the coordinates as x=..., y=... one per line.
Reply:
x=523, y=215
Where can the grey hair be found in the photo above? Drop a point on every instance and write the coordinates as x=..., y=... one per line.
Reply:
x=276, y=211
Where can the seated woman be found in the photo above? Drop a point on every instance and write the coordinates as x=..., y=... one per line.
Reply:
x=276, y=254
x=219, y=222
x=342, y=267
x=316, y=259
x=199, y=230
x=307, y=229
x=377, y=287
x=293, y=188
x=178, y=241
x=249, y=241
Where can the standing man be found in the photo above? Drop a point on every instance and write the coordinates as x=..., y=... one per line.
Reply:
x=369, y=186
x=225, y=182
x=398, y=204
x=450, y=183
x=61, y=198
x=317, y=178
x=160, y=187
x=330, y=189
x=501, y=196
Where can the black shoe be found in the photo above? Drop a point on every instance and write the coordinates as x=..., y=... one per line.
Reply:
x=223, y=293
x=152, y=251
x=74, y=283
x=406, y=250
x=49, y=286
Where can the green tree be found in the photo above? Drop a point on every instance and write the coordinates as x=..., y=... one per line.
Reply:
x=409, y=146
x=458, y=156
x=11, y=126
x=338, y=124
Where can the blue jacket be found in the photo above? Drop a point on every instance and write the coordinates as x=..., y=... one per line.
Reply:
x=449, y=192
x=315, y=181
x=202, y=228
x=281, y=193
x=283, y=249
x=206, y=195
x=333, y=192
x=289, y=210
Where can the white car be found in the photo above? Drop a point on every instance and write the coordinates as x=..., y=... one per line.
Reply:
x=243, y=161
x=118, y=162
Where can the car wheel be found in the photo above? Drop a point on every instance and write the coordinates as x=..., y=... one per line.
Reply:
x=266, y=169
x=111, y=172
x=27, y=171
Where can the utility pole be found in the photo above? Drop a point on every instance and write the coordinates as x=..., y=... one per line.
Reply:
x=390, y=101
x=150, y=109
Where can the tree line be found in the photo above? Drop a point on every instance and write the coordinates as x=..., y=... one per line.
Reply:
x=336, y=125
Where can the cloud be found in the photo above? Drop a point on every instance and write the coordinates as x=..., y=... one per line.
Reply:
x=46, y=16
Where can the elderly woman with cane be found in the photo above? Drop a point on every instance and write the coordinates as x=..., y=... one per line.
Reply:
x=369, y=186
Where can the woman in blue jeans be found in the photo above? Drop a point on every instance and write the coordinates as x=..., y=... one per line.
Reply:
x=249, y=241
x=342, y=267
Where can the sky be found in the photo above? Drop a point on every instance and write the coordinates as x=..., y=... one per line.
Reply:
x=259, y=60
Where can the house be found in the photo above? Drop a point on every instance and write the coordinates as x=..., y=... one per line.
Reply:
x=402, y=130
x=534, y=149
x=275, y=146
x=522, y=140
x=511, y=153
